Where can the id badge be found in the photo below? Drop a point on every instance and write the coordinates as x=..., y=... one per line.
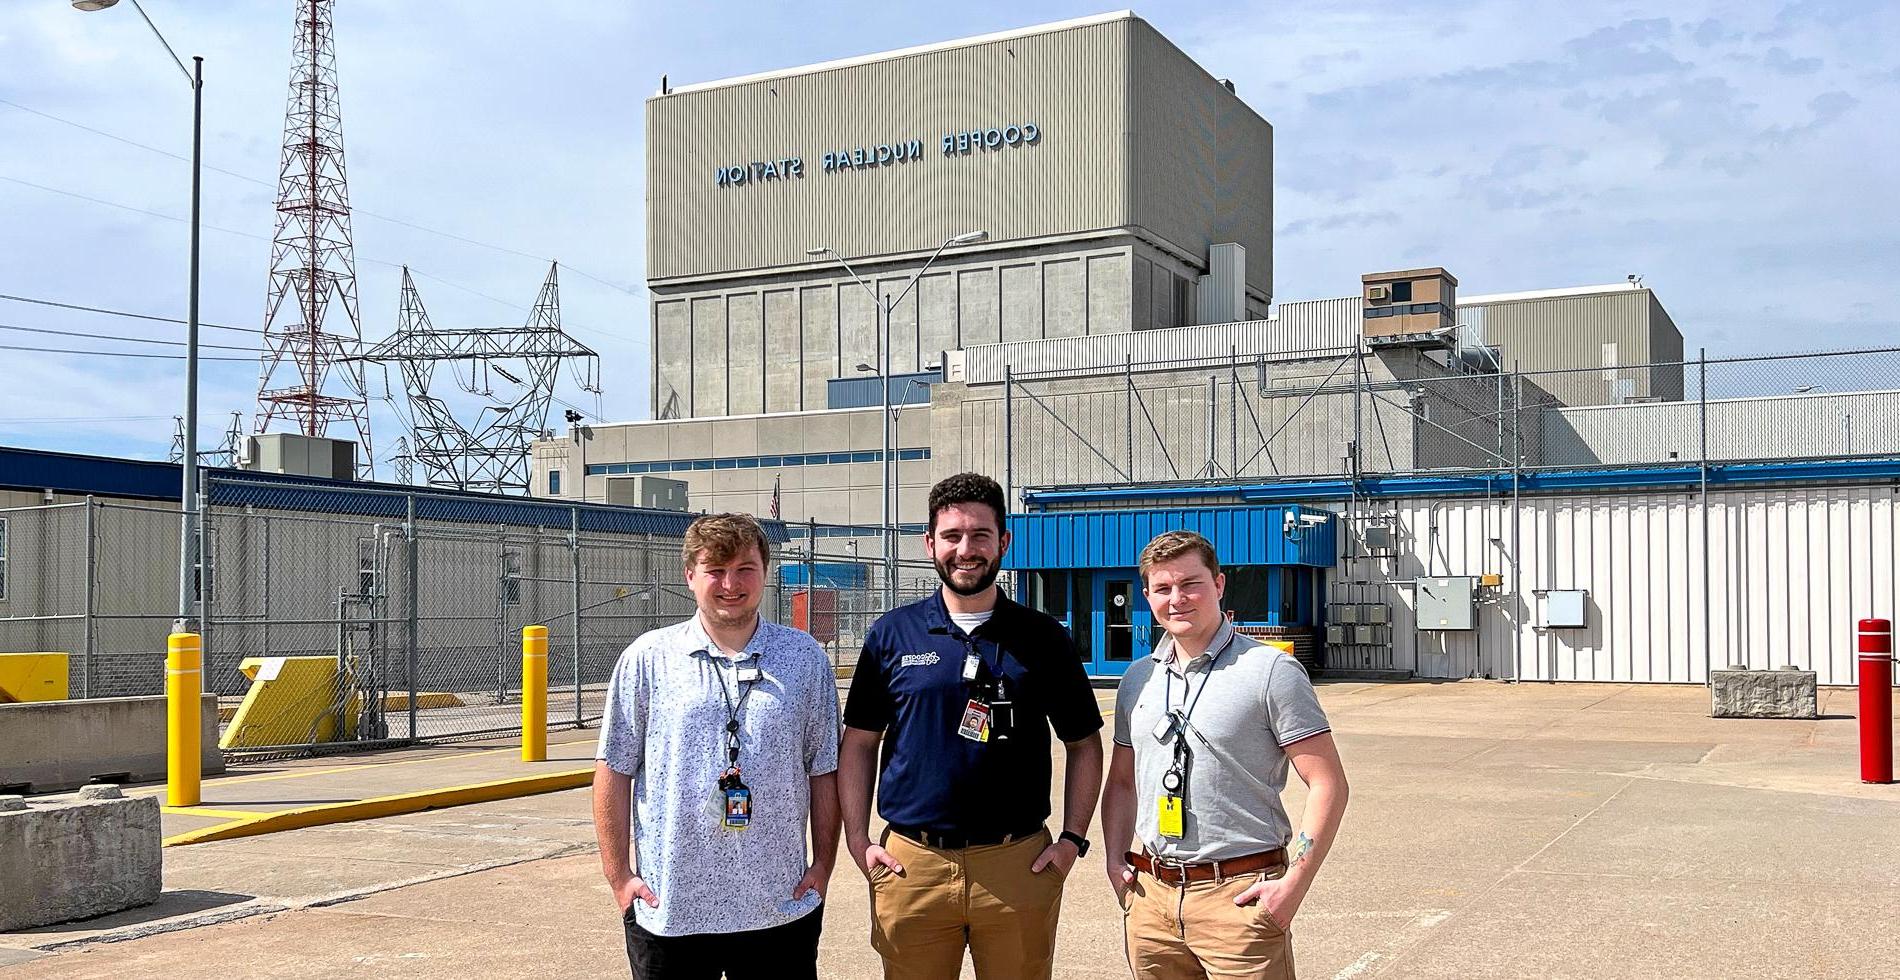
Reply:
x=748, y=675
x=972, y=666
x=1165, y=728
x=976, y=721
x=738, y=807
x=1168, y=817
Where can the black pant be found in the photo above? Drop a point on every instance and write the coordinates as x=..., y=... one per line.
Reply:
x=787, y=952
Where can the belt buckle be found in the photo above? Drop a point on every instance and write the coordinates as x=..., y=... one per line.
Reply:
x=1178, y=867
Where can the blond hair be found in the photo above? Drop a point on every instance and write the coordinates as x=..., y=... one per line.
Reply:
x=1177, y=544
x=716, y=539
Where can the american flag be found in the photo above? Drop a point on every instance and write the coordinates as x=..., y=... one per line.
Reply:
x=775, y=484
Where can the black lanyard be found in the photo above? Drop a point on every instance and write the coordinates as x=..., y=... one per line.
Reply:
x=1175, y=780
x=732, y=710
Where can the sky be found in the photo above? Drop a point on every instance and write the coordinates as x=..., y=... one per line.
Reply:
x=1739, y=157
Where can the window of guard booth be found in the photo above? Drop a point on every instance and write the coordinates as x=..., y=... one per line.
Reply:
x=1247, y=592
x=1049, y=593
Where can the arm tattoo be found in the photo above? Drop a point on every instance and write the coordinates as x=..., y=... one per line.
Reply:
x=1301, y=845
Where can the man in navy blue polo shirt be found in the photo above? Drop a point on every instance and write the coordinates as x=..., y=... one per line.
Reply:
x=967, y=684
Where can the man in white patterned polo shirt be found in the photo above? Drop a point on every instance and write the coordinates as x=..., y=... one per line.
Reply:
x=720, y=736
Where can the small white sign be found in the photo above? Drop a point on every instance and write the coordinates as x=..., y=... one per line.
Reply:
x=270, y=668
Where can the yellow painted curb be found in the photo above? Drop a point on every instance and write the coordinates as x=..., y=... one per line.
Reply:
x=386, y=806
x=205, y=811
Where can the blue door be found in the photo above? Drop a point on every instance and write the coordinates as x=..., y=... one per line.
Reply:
x=1122, y=628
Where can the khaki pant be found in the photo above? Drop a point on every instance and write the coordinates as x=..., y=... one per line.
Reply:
x=982, y=897
x=1196, y=930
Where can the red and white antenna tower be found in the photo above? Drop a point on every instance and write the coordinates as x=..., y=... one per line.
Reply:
x=311, y=324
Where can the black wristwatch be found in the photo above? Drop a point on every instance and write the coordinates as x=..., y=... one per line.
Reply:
x=1081, y=843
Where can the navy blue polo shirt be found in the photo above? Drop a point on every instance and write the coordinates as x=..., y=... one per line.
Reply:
x=909, y=685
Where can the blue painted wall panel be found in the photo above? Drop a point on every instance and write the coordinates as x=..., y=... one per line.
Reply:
x=1254, y=535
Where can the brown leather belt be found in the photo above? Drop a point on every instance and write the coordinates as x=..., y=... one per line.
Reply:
x=1175, y=873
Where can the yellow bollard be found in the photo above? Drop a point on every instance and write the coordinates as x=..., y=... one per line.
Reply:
x=534, y=694
x=184, y=685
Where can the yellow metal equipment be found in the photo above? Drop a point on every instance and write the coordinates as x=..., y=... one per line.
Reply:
x=534, y=694
x=184, y=664
x=32, y=677
x=293, y=701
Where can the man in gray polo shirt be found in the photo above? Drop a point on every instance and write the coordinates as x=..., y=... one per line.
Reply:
x=1204, y=732
x=720, y=736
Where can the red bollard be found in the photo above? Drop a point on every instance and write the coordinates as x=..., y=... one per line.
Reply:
x=1876, y=701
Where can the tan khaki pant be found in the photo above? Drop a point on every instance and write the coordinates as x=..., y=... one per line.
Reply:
x=1196, y=930
x=982, y=897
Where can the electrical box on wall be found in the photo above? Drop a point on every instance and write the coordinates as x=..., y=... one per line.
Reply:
x=1377, y=538
x=1447, y=603
x=1565, y=609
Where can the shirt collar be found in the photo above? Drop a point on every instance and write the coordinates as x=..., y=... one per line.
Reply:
x=1223, y=636
x=937, y=614
x=700, y=641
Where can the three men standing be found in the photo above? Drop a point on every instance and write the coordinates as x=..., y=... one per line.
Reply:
x=1205, y=729
x=960, y=690
x=721, y=735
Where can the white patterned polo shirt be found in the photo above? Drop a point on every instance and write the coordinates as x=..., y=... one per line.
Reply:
x=665, y=726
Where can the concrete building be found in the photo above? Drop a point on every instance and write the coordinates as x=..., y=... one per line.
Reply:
x=1121, y=185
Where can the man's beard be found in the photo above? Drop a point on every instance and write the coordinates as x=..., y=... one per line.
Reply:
x=985, y=579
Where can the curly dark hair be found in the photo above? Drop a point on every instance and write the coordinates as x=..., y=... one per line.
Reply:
x=967, y=488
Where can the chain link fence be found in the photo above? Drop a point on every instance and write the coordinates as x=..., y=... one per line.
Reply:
x=1416, y=411
x=383, y=615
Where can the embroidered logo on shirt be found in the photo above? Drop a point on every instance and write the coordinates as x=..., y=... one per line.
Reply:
x=919, y=660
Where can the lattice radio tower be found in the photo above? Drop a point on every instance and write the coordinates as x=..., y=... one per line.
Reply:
x=310, y=379
x=491, y=454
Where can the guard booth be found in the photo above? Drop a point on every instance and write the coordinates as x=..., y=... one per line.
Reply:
x=1082, y=567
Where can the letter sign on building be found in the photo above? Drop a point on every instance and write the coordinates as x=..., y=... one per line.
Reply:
x=882, y=154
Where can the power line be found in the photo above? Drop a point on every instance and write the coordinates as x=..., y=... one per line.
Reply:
x=629, y=290
x=121, y=353
x=123, y=313
x=637, y=341
x=87, y=418
x=124, y=340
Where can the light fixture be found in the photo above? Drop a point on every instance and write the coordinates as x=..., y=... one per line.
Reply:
x=91, y=5
x=969, y=236
x=820, y=250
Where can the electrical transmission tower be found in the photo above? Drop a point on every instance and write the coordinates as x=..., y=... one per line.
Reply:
x=226, y=455
x=492, y=453
x=403, y=461
x=310, y=379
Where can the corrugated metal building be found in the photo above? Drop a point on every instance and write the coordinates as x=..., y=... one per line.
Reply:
x=1793, y=554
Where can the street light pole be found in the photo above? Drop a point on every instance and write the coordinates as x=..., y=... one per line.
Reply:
x=188, y=490
x=885, y=304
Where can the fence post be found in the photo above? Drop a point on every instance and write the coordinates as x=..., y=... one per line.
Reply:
x=534, y=693
x=1233, y=417
x=1128, y=385
x=184, y=683
x=1009, y=437
x=409, y=640
x=92, y=576
x=574, y=543
x=1702, y=457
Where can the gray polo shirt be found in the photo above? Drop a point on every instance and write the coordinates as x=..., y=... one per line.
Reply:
x=1257, y=700
x=665, y=725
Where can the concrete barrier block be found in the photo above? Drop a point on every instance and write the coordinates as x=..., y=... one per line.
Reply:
x=1763, y=694
x=77, y=857
x=52, y=746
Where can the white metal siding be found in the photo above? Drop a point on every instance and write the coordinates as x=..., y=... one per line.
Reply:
x=1791, y=571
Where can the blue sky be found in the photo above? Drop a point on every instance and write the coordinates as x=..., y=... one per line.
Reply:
x=1738, y=156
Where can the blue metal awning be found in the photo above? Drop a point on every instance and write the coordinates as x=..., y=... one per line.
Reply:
x=1245, y=535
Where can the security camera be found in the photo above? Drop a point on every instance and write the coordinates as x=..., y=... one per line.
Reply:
x=1313, y=520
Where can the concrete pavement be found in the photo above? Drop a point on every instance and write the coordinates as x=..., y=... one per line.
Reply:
x=1495, y=831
